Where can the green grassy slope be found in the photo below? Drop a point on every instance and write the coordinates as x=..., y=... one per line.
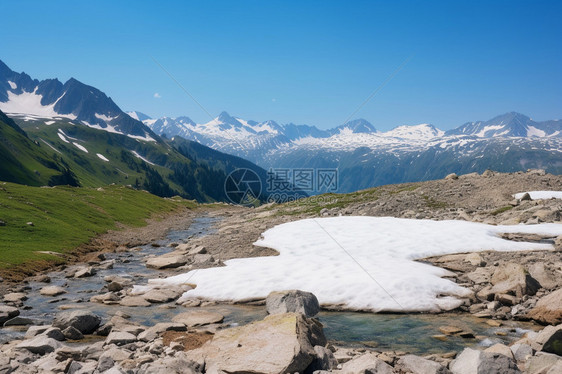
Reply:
x=98, y=158
x=65, y=217
x=22, y=160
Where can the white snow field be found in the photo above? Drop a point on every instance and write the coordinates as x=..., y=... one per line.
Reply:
x=540, y=195
x=359, y=263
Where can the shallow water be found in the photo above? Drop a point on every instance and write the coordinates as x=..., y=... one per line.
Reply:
x=407, y=332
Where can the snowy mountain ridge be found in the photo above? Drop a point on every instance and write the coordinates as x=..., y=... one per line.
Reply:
x=22, y=96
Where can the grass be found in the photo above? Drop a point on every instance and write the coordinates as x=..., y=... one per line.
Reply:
x=65, y=217
x=501, y=210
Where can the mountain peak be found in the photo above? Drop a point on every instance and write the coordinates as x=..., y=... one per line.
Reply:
x=356, y=126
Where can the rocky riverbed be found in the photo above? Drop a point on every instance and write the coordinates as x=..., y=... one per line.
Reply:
x=86, y=318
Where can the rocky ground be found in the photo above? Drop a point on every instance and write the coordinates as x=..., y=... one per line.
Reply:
x=506, y=286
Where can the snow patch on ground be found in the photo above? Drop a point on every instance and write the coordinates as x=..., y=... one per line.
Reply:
x=48, y=144
x=13, y=85
x=540, y=195
x=49, y=123
x=62, y=137
x=360, y=263
x=80, y=147
x=142, y=158
x=102, y=157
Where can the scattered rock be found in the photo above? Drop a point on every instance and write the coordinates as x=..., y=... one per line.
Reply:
x=134, y=301
x=84, y=272
x=7, y=312
x=452, y=176
x=84, y=321
x=198, y=318
x=120, y=338
x=501, y=349
x=367, y=363
x=521, y=352
x=293, y=301
x=18, y=321
x=72, y=333
x=419, y=365
x=162, y=295
x=549, y=340
x=548, y=309
x=15, y=297
x=169, y=260
x=52, y=291
x=472, y=361
x=511, y=278
x=39, y=345
x=542, y=363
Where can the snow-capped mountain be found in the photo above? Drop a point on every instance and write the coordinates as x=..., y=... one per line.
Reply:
x=509, y=125
x=366, y=157
x=20, y=95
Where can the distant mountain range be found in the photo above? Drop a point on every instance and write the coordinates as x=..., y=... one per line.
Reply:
x=366, y=157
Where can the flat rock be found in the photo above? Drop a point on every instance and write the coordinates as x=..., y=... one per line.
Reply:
x=162, y=295
x=84, y=321
x=120, y=338
x=169, y=260
x=40, y=345
x=18, y=321
x=52, y=291
x=292, y=301
x=134, y=301
x=15, y=297
x=198, y=318
x=366, y=363
x=419, y=365
x=281, y=343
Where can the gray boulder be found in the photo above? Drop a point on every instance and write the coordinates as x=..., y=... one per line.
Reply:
x=367, y=363
x=420, y=365
x=7, y=312
x=512, y=278
x=549, y=340
x=542, y=363
x=84, y=321
x=548, y=309
x=472, y=361
x=281, y=343
x=293, y=301
x=72, y=333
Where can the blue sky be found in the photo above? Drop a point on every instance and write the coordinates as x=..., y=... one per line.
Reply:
x=310, y=62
